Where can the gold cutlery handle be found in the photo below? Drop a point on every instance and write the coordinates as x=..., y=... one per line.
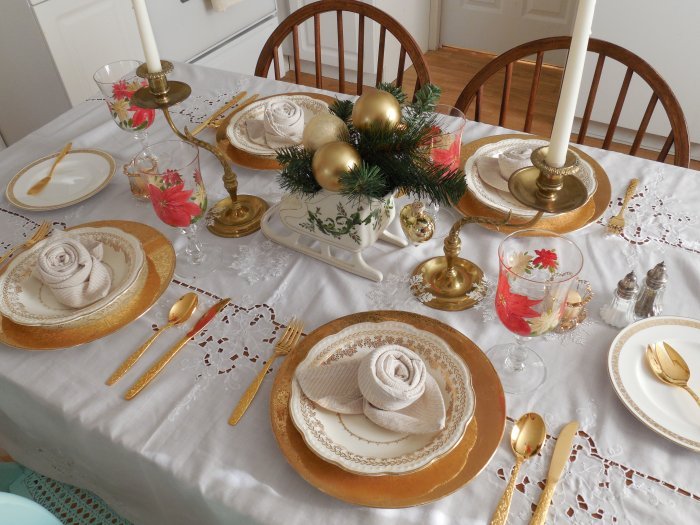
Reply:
x=628, y=194
x=131, y=360
x=500, y=516
x=540, y=515
x=250, y=392
x=9, y=252
x=152, y=372
x=692, y=393
x=217, y=113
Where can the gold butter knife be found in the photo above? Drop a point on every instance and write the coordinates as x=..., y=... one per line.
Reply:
x=217, y=121
x=146, y=378
x=218, y=112
x=40, y=185
x=560, y=458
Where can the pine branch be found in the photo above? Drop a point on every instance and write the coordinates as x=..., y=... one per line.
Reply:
x=426, y=98
x=394, y=90
x=342, y=109
x=364, y=181
x=296, y=175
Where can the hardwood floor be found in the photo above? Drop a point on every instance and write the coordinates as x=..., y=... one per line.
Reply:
x=451, y=68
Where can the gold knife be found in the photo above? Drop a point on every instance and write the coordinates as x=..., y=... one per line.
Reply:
x=560, y=458
x=146, y=378
x=218, y=112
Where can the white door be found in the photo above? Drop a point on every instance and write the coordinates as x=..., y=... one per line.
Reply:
x=495, y=26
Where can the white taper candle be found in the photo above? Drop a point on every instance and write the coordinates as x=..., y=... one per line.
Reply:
x=564, y=119
x=148, y=41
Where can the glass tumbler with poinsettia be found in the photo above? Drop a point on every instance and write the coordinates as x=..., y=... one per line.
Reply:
x=537, y=269
x=118, y=83
x=173, y=180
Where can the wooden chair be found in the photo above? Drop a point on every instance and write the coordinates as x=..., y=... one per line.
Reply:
x=270, y=52
x=635, y=64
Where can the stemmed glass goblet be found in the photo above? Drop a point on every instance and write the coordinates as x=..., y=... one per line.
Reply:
x=537, y=268
x=174, y=184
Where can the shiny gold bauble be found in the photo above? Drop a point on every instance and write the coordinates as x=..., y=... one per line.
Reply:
x=376, y=107
x=322, y=129
x=417, y=224
x=331, y=161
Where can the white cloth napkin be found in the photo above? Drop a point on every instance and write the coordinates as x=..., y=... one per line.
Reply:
x=390, y=385
x=75, y=274
x=282, y=125
x=514, y=159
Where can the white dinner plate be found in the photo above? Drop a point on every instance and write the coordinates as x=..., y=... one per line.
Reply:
x=503, y=200
x=358, y=445
x=666, y=409
x=237, y=131
x=80, y=175
x=25, y=300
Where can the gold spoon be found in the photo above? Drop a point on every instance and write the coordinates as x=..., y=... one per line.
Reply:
x=180, y=312
x=526, y=439
x=670, y=367
x=40, y=185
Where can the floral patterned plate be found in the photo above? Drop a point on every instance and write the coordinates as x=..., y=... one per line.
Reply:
x=79, y=176
x=237, y=132
x=25, y=300
x=354, y=443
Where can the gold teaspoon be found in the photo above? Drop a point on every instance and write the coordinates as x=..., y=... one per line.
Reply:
x=180, y=312
x=670, y=367
x=40, y=185
x=526, y=439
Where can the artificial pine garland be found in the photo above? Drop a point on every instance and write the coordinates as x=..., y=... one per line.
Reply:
x=393, y=157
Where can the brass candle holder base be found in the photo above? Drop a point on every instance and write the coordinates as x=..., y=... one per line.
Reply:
x=456, y=283
x=235, y=216
x=546, y=188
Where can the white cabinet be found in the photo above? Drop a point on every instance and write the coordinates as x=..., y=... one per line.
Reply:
x=414, y=15
x=83, y=35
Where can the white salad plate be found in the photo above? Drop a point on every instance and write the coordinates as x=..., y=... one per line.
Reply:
x=358, y=445
x=25, y=300
x=666, y=409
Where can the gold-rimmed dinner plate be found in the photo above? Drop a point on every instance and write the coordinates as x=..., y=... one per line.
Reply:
x=248, y=160
x=80, y=175
x=160, y=261
x=569, y=222
x=436, y=480
x=667, y=410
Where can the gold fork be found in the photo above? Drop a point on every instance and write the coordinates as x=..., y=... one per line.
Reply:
x=41, y=232
x=617, y=223
x=287, y=342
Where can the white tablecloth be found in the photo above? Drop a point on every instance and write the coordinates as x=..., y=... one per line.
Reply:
x=169, y=455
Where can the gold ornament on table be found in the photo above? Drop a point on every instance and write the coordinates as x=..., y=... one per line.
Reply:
x=375, y=108
x=331, y=161
x=322, y=129
x=417, y=224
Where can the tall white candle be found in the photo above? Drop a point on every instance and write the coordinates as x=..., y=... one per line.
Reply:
x=564, y=119
x=148, y=41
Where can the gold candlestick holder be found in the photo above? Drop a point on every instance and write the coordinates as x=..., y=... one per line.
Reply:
x=456, y=283
x=234, y=216
x=546, y=188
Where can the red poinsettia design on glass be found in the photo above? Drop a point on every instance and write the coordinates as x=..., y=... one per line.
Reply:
x=546, y=260
x=172, y=177
x=122, y=90
x=173, y=205
x=141, y=118
x=445, y=148
x=513, y=309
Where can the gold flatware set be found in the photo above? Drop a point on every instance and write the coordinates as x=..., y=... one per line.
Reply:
x=39, y=234
x=669, y=367
x=41, y=184
x=526, y=440
x=616, y=225
x=213, y=120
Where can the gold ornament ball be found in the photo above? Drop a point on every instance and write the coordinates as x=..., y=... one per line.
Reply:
x=376, y=107
x=322, y=129
x=331, y=161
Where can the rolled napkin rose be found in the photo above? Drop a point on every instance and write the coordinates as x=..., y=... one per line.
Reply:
x=282, y=125
x=390, y=376
x=514, y=159
x=76, y=276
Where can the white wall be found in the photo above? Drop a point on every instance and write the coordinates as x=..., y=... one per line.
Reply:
x=666, y=35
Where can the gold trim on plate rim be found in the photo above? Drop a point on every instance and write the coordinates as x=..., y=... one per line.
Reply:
x=568, y=222
x=619, y=387
x=248, y=160
x=160, y=261
x=437, y=480
x=9, y=193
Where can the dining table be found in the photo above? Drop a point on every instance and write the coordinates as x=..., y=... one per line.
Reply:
x=170, y=456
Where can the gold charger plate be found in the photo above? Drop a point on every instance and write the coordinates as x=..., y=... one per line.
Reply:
x=563, y=223
x=248, y=160
x=438, y=479
x=160, y=258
